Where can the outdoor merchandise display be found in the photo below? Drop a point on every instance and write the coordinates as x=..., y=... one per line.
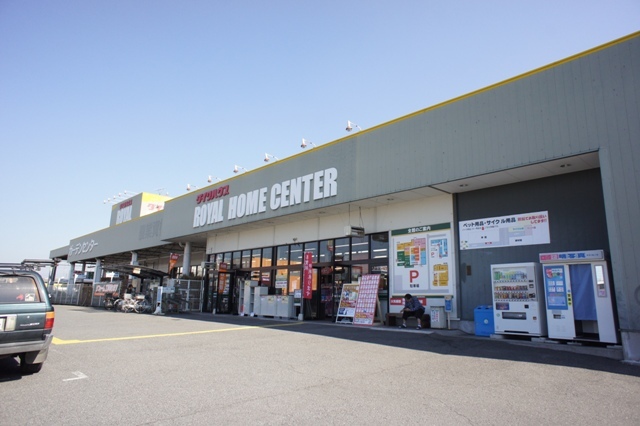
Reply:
x=359, y=301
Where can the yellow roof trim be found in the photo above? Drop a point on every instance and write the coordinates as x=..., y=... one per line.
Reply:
x=501, y=83
x=433, y=107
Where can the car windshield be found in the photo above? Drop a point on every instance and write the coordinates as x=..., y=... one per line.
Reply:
x=18, y=289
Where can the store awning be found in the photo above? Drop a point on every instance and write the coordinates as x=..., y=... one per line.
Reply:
x=138, y=271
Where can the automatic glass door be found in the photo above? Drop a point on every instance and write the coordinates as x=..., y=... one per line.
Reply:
x=224, y=293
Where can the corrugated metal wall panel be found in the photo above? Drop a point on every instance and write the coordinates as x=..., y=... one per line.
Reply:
x=576, y=222
x=620, y=156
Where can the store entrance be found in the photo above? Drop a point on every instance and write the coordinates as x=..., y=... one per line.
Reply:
x=226, y=295
x=327, y=297
x=322, y=301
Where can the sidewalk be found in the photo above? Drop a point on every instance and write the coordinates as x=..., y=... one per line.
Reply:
x=600, y=350
x=606, y=351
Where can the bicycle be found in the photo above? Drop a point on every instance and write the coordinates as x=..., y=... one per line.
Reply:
x=110, y=301
x=128, y=304
x=142, y=305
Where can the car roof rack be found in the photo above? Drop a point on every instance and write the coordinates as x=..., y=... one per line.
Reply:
x=45, y=262
x=29, y=264
x=13, y=267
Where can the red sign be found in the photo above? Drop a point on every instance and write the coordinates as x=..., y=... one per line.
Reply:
x=173, y=259
x=307, y=279
x=399, y=301
x=212, y=194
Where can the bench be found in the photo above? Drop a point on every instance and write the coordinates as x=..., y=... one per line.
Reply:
x=395, y=320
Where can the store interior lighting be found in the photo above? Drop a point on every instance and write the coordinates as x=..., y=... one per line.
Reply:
x=120, y=197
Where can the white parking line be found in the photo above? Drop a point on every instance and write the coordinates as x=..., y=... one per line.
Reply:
x=79, y=375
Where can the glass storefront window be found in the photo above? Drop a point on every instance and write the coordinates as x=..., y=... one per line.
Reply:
x=267, y=256
x=313, y=249
x=282, y=255
x=246, y=259
x=282, y=277
x=341, y=274
x=265, y=280
x=326, y=251
x=360, y=248
x=380, y=245
x=358, y=271
x=295, y=280
x=235, y=260
x=295, y=254
x=369, y=255
x=256, y=257
x=341, y=249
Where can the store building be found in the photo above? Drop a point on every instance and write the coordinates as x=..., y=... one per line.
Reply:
x=545, y=162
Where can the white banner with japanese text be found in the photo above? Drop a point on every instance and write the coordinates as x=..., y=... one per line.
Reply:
x=505, y=231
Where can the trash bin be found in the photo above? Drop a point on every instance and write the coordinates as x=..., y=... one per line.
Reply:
x=438, y=318
x=483, y=316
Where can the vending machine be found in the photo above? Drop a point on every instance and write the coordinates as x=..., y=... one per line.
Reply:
x=518, y=300
x=578, y=294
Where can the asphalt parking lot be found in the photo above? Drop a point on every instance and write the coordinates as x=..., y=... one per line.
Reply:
x=112, y=368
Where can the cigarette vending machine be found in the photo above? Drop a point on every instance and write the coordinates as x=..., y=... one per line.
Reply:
x=579, y=300
x=518, y=300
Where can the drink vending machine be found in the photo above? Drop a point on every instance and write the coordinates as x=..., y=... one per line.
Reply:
x=518, y=300
x=579, y=300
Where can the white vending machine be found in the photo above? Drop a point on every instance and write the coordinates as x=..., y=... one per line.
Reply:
x=518, y=300
x=579, y=299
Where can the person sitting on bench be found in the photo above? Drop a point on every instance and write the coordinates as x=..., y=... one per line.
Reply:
x=412, y=308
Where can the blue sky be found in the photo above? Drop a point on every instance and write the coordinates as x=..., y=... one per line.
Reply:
x=99, y=97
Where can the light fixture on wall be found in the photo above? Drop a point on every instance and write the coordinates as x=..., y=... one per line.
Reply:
x=120, y=197
x=237, y=168
x=211, y=178
x=190, y=187
x=269, y=157
x=351, y=125
x=305, y=143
